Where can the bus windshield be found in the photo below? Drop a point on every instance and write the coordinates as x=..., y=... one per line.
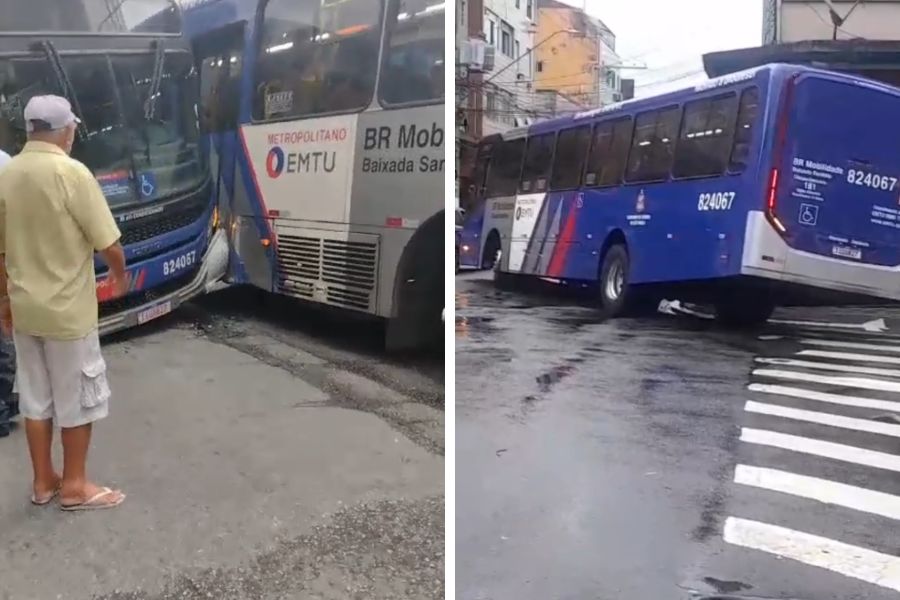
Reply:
x=139, y=147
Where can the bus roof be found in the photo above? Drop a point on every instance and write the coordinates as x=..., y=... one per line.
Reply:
x=732, y=80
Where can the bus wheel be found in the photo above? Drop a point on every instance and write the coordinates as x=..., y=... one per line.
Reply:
x=491, y=251
x=614, y=281
x=744, y=314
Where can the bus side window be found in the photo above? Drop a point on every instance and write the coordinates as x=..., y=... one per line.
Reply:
x=412, y=69
x=743, y=137
x=538, y=161
x=568, y=162
x=506, y=167
x=316, y=57
x=609, y=153
x=706, y=136
x=652, y=148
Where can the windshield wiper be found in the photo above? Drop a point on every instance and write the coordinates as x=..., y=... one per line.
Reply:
x=123, y=119
x=62, y=79
x=159, y=62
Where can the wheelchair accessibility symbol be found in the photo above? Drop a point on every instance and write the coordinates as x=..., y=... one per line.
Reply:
x=148, y=185
x=809, y=214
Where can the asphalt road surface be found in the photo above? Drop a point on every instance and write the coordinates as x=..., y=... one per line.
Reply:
x=268, y=452
x=665, y=458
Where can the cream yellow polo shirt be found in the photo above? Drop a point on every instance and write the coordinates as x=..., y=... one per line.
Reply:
x=53, y=216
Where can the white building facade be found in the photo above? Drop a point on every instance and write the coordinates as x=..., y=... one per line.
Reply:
x=509, y=26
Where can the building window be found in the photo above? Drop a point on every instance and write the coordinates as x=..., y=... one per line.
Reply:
x=518, y=49
x=506, y=39
x=492, y=36
x=539, y=67
x=518, y=4
x=529, y=8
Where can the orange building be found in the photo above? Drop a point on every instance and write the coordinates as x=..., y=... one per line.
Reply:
x=571, y=63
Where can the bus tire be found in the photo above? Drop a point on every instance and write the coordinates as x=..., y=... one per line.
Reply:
x=419, y=292
x=613, y=281
x=491, y=250
x=744, y=314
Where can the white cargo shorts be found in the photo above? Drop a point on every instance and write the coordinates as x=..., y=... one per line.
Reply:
x=63, y=380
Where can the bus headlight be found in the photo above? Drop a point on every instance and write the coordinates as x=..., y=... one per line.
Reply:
x=213, y=223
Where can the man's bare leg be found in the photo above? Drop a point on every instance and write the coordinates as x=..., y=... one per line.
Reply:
x=76, y=489
x=40, y=440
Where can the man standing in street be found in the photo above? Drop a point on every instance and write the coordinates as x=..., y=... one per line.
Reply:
x=9, y=408
x=53, y=217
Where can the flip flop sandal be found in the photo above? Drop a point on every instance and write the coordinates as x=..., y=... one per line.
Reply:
x=92, y=504
x=45, y=500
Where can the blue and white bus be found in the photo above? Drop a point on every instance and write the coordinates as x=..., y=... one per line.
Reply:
x=127, y=68
x=326, y=131
x=775, y=185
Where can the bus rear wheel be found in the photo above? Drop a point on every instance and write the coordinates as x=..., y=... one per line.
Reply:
x=744, y=313
x=491, y=251
x=614, y=281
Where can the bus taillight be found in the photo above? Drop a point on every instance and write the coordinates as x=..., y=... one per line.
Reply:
x=770, y=204
x=773, y=190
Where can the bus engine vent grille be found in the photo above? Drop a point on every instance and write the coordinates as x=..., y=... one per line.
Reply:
x=348, y=268
x=300, y=257
x=334, y=271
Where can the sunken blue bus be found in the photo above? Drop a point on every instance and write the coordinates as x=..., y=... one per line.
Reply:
x=771, y=186
x=128, y=70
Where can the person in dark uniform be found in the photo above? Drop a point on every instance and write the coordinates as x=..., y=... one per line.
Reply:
x=9, y=406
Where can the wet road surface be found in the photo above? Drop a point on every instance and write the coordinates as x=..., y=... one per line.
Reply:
x=268, y=452
x=666, y=458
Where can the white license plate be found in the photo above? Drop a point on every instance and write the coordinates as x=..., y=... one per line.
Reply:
x=154, y=312
x=845, y=252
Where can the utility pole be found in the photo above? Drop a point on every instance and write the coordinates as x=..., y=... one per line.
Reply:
x=475, y=81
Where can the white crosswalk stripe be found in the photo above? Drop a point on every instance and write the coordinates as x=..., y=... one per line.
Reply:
x=846, y=400
x=850, y=382
x=852, y=561
x=828, y=389
x=854, y=356
x=823, y=490
x=823, y=418
x=825, y=366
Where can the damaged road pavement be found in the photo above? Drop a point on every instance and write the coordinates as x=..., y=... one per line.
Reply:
x=260, y=461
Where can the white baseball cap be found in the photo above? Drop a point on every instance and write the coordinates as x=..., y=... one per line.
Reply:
x=53, y=112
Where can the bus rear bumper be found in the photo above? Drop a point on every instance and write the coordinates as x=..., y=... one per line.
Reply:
x=768, y=256
x=212, y=270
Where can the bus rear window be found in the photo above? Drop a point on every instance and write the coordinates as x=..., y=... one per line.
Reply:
x=706, y=136
x=571, y=154
x=609, y=152
x=316, y=57
x=743, y=136
x=652, y=148
x=538, y=161
x=413, y=65
x=506, y=166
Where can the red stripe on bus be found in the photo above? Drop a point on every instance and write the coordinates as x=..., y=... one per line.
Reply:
x=558, y=260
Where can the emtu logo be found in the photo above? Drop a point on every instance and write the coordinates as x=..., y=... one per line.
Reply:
x=275, y=162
